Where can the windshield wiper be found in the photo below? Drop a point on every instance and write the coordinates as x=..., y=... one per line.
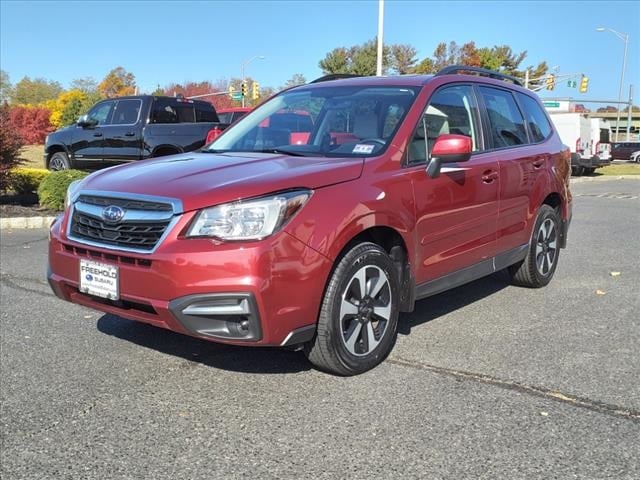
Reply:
x=283, y=151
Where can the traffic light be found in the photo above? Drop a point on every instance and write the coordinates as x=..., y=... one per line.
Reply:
x=244, y=89
x=255, y=94
x=551, y=81
x=584, y=84
x=231, y=90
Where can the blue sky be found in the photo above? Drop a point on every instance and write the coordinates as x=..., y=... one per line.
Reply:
x=176, y=41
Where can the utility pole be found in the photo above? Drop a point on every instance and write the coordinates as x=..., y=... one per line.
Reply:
x=629, y=113
x=380, y=42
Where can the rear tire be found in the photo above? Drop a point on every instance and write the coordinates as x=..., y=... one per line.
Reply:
x=538, y=267
x=59, y=161
x=358, y=321
x=589, y=171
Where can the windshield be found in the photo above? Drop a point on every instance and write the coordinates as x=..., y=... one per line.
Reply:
x=321, y=121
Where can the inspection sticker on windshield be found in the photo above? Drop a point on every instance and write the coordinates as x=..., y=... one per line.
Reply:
x=362, y=148
x=99, y=279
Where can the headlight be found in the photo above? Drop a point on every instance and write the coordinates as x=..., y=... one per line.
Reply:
x=252, y=219
x=71, y=189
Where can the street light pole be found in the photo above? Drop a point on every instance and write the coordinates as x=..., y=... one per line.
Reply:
x=625, y=38
x=244, y=64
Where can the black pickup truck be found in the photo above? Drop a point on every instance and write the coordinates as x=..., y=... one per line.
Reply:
x=132, y=128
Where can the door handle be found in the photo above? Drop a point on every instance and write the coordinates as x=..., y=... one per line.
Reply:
x=130, y=134
x=538, y=162
x=489, y=176
x=97, y=134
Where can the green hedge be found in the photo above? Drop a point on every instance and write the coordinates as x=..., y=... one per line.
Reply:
x=26, y=180
x=53, y=188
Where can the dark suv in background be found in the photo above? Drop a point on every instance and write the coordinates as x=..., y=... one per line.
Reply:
x=623, y=150
x=402, y=187
x=132, y=128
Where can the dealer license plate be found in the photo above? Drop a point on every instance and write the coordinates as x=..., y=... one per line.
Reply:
x=99, y=279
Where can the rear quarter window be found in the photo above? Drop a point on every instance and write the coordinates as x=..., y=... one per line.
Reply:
x=539, y=125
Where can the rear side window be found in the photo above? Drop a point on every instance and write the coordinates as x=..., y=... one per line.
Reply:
x=539, y=125
x=164, y=112
x=205, y=113
x=506, y=124
x=126, y=112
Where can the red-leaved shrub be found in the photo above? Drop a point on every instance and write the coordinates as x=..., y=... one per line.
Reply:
x=31, y=123
x=10, y=145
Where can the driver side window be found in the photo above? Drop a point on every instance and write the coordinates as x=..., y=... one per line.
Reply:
x=451, y=110
x=101, y=112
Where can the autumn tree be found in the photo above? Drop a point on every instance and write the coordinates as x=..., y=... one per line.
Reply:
x=357, y=60
x=87, y=85
x=34, y=92
x=31, y=123
x=117, y=83
x=295, y=80
x=66, y=109
x=403, y=58
x=5, y=87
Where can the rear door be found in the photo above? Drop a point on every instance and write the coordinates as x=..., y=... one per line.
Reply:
x=456, y=213
x=123, y=135
x=522, y=161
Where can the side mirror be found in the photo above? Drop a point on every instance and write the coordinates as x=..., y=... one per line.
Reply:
x=448, y=148
x=85, y=121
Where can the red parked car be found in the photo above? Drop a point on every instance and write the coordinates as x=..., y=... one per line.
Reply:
x=405, y=187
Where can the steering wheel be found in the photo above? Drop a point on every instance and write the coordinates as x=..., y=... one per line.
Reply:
x=379, y=141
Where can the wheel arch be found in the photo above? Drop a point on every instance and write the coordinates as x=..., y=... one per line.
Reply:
x=53, y=149
x=391, y=241
x=166, y=149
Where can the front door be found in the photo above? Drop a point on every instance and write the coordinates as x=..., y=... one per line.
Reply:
x=456, y=213
x=87, y=146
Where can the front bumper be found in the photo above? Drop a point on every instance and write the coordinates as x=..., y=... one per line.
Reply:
x=230, y=293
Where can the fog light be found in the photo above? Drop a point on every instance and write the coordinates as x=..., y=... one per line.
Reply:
x=244, y=325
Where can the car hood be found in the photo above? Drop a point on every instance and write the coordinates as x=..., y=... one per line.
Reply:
x=200, y=180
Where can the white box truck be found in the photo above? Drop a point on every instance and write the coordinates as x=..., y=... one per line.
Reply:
x=582, y=136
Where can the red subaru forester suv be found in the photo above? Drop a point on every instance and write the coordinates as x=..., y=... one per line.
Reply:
x=407, y=186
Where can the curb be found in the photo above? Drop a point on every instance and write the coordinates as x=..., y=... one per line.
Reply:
x=25, y=222
x=604, y=178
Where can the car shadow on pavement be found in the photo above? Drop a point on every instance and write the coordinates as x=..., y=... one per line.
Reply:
x=225, y=357
x=433, y=307
x=278, y=360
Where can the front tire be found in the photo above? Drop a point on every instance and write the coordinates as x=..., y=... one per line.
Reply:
x=59, y=161
x=538, y=267
x=358, y=321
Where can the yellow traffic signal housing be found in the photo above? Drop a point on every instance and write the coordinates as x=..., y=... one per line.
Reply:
x=584, y=84
x=551, y=81
x=231, y=90
x=255, y=94
x=244, y=89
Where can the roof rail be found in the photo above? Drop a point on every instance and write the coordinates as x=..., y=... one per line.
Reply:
x=334, y=76
x=483, y=72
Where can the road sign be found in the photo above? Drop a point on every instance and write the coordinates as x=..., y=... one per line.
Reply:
x=551, y=104
x=237, y=96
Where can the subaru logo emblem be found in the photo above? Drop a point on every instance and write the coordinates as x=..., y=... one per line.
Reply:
x=113, y=214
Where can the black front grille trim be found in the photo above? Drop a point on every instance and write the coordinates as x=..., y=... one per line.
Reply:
x=127, y=204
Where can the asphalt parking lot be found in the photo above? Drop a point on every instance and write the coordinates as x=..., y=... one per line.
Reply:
x=486, y=381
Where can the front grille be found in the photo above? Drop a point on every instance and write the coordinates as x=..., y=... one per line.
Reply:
x=127, y=204
x=141, y=226
x=140, y=235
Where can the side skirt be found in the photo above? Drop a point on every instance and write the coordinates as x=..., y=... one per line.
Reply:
x=469, y=274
